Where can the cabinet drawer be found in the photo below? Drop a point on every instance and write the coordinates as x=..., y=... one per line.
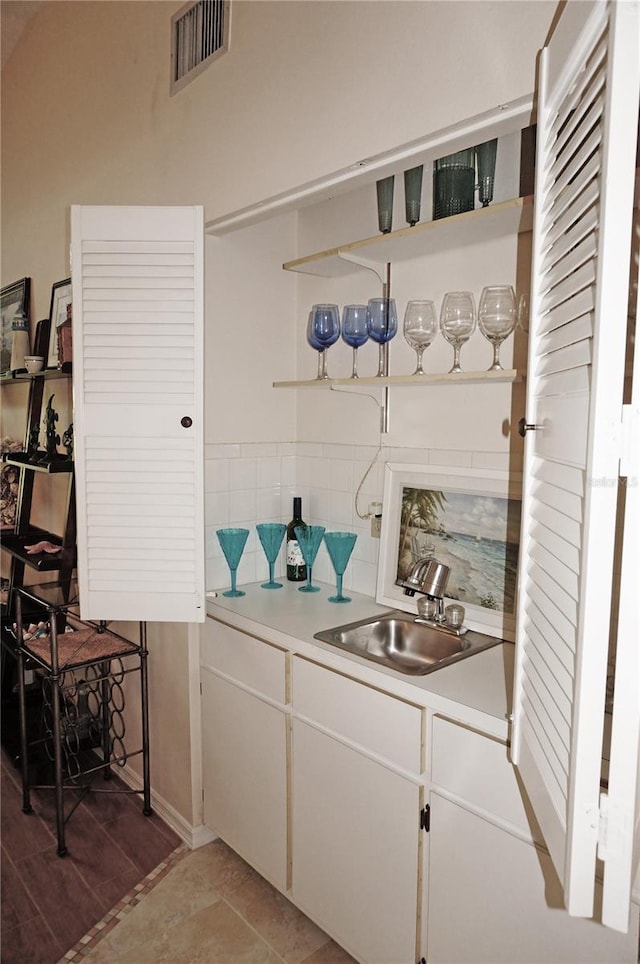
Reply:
x=249, y=661
x=382, y=724
x=477, y=769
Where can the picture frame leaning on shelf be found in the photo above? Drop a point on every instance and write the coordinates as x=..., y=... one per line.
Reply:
x=60, y=301
x=13, y=298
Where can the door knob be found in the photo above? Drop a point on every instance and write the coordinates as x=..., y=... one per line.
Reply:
x=524, y=427
x=186, y=422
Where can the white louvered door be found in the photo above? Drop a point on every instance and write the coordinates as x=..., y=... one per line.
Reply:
x=587, y=123
x=137, y=275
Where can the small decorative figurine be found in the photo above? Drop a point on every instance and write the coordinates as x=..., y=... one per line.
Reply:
x=52, y=438
x=34, y=440
x=67, y=441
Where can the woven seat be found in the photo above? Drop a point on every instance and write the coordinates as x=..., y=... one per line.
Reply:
x=85, y=645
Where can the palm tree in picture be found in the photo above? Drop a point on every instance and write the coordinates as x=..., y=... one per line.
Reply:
x=420, y=507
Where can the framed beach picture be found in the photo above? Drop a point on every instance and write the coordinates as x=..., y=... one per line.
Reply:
x=466, y=519
x=60, y=300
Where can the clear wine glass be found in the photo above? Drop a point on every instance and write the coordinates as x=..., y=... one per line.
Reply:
x=497, y=314
x=325, y=330
x=309, y=539
x=233, y=542
x=382, y=325
x=340, y=546
x=457, y=322
x=354, y=330
x=523, y=313
x=271, y=535
x=420, y=328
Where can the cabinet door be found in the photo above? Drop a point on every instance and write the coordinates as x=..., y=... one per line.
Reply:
x=586, y=150
x=495, y=899
x=355, y=848
x=244, y=751
x=138, y=411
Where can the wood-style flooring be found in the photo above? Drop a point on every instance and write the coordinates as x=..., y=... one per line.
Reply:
x=48, y=902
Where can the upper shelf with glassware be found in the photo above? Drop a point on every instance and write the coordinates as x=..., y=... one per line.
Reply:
x=427, y=237
x=507, y=375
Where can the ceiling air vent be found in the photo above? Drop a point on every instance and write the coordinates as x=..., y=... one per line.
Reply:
x=199, y=35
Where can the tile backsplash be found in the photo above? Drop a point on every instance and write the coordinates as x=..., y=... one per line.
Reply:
x=247, y=483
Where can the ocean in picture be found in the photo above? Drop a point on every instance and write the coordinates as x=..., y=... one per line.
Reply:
x=476, y=536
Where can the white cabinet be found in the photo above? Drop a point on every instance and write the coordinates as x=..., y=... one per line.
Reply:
x=356, y=837
x=320, y=781
x=355, y=842
x=494, y=896
x=244, y=747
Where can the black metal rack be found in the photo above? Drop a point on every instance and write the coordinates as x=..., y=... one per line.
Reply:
x=25, y=563
x=81, y=667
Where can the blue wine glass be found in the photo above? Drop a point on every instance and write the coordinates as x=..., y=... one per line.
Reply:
x=271, y=535
x=309, y=539
x=233, y=542
x=315, y=344
x=325, y=330
x=354, y=330
x=340, y=546
x=382, y=325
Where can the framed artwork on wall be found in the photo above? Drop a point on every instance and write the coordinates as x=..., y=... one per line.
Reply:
x=60, y=302
x=467, y=519
x=13, y=298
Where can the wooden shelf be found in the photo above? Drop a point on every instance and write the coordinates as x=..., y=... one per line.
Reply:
x=41, y=561
x=427, y=237
x=22, y=375
x=508, y=376
x=31, y=462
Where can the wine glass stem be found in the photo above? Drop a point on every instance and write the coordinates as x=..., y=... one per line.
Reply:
x=271, y=572
x=419, y=370
x=309, y=577
x=323, y=370
x=381, y=360
x=233, y=580
x=339, y=585
x=496, y=355
x=456, y=355
x=354, y=371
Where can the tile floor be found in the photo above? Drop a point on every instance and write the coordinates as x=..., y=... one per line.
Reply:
x=129, y=891
x=48, y=902
x=212, y=907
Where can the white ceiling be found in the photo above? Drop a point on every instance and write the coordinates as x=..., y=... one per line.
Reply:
x=14, y=16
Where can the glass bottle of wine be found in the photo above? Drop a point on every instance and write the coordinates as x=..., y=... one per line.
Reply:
x=296, y=568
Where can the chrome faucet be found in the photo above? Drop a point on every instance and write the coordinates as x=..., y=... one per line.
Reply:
x=430, y=577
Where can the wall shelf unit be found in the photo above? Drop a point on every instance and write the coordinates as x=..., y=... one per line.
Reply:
x=427, y=237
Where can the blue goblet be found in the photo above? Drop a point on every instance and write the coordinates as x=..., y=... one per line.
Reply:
x=271, y=535
x=382, y=324
x=323, y=330
x=340, y=546
x=233, y=542
x=354, y=330
x=309, y=539
x=316, y=345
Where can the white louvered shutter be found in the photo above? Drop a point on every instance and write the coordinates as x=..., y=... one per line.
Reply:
x=587, y=122
x=137, y=276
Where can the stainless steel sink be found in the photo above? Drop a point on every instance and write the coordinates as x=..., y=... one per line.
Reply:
x=397, y=640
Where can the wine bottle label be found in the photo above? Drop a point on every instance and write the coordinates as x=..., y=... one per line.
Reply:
x=294, y=553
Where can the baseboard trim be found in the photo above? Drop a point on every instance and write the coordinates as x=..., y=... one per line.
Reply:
x=192, y=836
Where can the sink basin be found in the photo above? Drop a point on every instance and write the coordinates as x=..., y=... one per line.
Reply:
x=396, y=640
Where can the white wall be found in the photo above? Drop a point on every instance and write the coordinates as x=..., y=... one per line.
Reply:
x=308, y=88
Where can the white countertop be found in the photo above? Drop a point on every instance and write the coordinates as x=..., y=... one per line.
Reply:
x=476, y=690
